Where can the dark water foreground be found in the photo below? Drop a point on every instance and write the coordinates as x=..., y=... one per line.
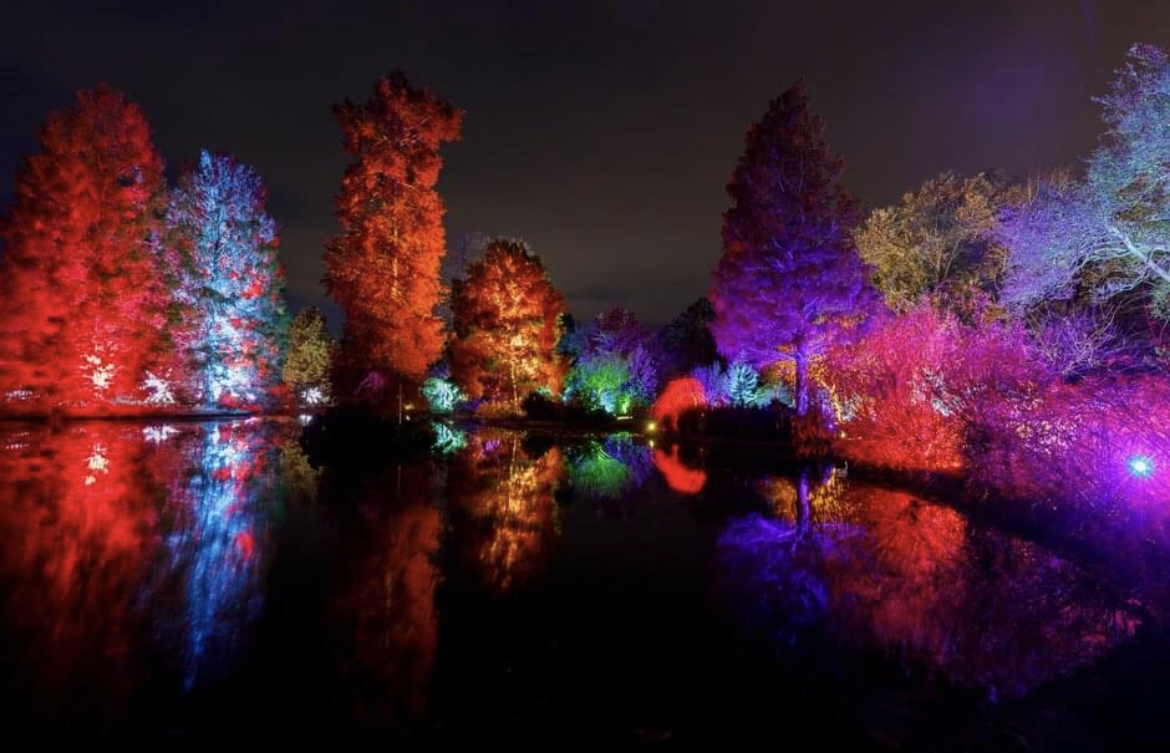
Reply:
x=196, y=583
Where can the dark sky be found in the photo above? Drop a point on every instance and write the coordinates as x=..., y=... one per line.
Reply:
x=601, y=132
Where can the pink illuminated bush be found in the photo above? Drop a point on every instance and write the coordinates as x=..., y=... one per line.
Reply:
x=1100, y=442
x=905, y=395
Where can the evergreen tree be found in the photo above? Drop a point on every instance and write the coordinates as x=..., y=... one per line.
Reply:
x=310, y=356
x=788, y=280
x=507, y=324
x=83, y=290
x=232, y=285
x=383, y=268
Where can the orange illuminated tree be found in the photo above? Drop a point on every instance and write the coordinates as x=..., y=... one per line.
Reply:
x=83, y=296
x=507, y=323
x=383, y=268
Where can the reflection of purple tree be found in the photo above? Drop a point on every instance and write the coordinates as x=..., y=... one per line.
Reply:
x=894, y=573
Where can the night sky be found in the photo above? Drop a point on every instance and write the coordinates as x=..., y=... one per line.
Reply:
x=603, y=133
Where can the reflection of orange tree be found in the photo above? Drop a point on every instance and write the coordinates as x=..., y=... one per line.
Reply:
x=387, y=608
x=77, y=518
x=507, y=498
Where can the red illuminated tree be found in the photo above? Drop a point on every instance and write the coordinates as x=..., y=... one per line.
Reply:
x=383, y=268
x=83, y=299
x=789, y=279
x=507, y=322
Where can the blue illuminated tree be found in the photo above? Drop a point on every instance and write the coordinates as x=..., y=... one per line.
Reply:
x=789, y=280
x=231, y=288
x=1109, y=235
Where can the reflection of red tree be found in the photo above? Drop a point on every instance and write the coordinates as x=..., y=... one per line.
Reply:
x=508, y=499
x=389, y=607
x=678, y=477
x=77, y=518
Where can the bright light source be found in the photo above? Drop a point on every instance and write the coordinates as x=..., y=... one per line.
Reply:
x=1141, y=466
x=651, y=426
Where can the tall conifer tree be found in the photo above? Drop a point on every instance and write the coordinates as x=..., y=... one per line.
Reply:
x=83, y=290
x=789, y=279
x=383, y=268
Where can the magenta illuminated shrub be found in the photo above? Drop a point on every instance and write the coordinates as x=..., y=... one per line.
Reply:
x=905, y=395
x=1101, y=443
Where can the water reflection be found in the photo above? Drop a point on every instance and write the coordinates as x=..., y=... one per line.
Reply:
x=385, y=612
x=122, y=542
x=678, y=476
x=868, y=568
x=79, y=525
x=502, y=500
x=219, y=512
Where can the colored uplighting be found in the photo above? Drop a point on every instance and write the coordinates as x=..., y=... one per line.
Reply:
x=1141, y=466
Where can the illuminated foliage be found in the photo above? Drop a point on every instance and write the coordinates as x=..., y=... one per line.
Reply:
x=938, y=241
x=383, y=268
x=310, y=356
x=83, y=292
x=788, y=281
x=1109, y=234
x=679, y=395
x=442, y=396
x=905, y=395
x=615, y=371
x=507, y=323
x=231, y=286
x=1074, y=444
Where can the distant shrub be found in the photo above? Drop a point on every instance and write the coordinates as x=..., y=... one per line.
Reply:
x=679, y=396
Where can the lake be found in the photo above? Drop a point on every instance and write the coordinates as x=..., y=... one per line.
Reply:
x=507, y=591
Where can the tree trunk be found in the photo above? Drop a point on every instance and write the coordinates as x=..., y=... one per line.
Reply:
x=801, y=397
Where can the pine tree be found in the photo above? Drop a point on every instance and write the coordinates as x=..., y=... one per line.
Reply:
x=83, y=290
x=788, y=280
x=507, y=324
x=232, y=285
x=383, y=268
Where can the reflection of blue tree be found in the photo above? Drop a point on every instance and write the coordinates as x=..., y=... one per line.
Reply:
x=611, y=469
x=216, y=546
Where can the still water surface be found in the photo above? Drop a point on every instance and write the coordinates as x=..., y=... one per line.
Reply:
x=200, y=582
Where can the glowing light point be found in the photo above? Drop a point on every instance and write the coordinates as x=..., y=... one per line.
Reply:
x=1141, y=466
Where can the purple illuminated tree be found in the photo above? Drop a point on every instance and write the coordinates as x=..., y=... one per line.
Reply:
x=789, y=280
x=231, y=284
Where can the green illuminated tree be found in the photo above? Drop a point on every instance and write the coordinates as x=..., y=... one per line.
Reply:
x=310, y=356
